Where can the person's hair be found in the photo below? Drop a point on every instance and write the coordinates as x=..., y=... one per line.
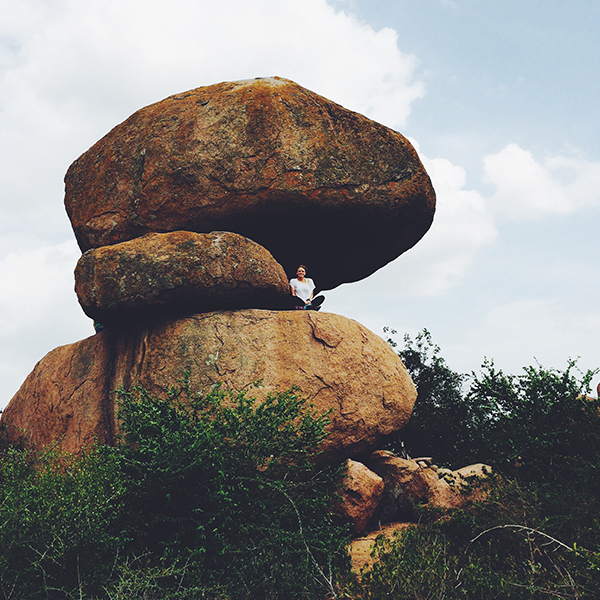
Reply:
x=300, y=267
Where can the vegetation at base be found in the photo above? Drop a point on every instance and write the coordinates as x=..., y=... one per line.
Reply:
x=467, y=557
x=207, y=497
x=541, y=429
x=215, y=498
x=539, y=535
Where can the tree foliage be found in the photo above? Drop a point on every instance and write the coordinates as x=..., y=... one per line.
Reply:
x=538, y=536
x=519, y=423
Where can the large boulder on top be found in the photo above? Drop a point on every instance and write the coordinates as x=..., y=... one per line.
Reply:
x=181, y=271
x=310, y=181
x=338, y=364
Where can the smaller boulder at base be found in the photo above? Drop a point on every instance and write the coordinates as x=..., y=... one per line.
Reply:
x=406, y=484
x=169, y=273
x=455, y=489
x=360, y=495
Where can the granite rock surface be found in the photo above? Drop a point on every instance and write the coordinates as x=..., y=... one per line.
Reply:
x=338, y=364
x=178, y=272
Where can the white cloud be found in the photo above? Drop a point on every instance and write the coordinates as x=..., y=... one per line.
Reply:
x=549, y=330
x=34, y=279
x=466, y=219
x=124, y=53
x=73, y=69
x=528, y=189
x=462, y=226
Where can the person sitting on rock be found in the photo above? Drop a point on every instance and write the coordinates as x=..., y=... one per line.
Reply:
x=302, y=289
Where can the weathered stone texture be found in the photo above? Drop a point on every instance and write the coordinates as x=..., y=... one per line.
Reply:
x=361, y=492
x=310, y=181
x=66, y=400
x=178, y=272
x=338, y=364
x=457, y=488
x=361, y=548
x=405, y=481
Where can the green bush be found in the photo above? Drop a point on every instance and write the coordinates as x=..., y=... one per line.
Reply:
x=442, y=423
x=538, y=536
x=58, y=522
x=540, y=428
x=480, y=553
x=506, y=562
x=228, y=485
x=491, y=416
x=206, y=497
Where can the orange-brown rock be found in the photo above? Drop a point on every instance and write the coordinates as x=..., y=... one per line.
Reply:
x=338, y=364
x=360, y=549
x=175, y=272
x=360, y=495
x=406, y=484
x=307, y=179
x=458, y=488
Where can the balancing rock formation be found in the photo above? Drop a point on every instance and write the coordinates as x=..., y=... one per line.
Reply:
x=189, y=214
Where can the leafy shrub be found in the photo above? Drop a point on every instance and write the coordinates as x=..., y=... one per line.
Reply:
x=58, y=522
x=442, y=423
x=228, y=485
x=206, y=497
x=526, y=420
x=479, y=554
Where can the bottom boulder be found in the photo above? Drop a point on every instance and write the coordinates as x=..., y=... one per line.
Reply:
x=69, y=398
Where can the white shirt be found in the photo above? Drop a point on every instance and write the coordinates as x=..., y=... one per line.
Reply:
x=303, y=289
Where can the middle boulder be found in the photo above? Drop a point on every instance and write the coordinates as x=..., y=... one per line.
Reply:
x=167, y=273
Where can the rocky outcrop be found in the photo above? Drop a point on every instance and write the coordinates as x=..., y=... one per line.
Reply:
x=409, y=483
x=189, y=214
x=455, y=489
x=337, y=363
x=162, y=273
x=406, y=484
x=361, y=549
x=410, y=489
x=360, y=495
x=307, y=179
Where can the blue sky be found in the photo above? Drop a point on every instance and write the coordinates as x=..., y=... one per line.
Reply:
x=501, y=98
x=511, y=93
x=500, y=72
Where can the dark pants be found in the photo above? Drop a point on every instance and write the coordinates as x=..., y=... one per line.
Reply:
x=314, y=303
